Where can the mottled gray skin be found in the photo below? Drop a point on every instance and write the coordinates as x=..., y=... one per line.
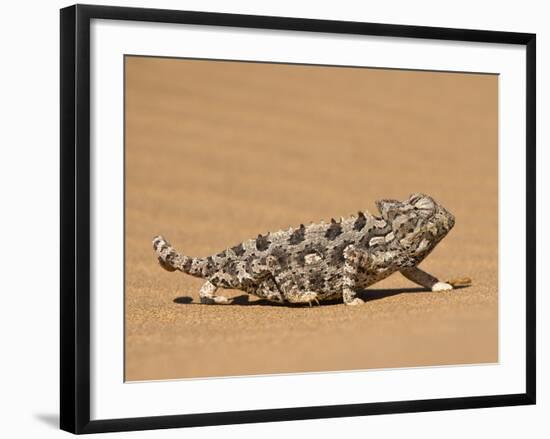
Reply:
x=324, y=261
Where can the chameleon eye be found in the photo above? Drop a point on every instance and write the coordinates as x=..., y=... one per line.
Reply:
x=414, y=198
x=424, y=203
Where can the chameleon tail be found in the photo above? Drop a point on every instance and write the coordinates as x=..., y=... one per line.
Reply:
x=171, y=260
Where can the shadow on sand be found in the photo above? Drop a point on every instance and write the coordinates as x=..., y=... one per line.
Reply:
x=366, y=295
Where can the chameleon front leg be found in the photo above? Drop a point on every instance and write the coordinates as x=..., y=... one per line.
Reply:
x=425, y=280
x=249, y=273
x=353, y=259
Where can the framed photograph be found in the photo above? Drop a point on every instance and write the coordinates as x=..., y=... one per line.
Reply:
x=274, y=218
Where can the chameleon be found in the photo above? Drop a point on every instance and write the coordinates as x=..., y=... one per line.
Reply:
x=323, y=261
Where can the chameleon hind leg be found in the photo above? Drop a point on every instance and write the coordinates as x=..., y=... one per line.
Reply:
x=207, y=294
x=208, y=290
x=248, y=273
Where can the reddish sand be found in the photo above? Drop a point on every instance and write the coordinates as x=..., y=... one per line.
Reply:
x=218, y=152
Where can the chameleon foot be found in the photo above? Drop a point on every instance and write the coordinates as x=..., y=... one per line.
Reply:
x=303, y=297
x=220, y=300
x=441, y=286
x=354, y=302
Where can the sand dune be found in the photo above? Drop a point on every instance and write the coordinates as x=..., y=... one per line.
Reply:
x=217, y=152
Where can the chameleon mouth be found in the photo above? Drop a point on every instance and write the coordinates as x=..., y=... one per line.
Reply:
x=448, y=219
x=451, y=221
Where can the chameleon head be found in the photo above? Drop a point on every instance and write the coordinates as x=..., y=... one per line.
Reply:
x=418, y=223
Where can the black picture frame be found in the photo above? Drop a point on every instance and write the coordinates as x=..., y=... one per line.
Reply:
x=75, y=217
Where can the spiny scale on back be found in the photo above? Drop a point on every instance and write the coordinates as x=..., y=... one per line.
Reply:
x=320, y=261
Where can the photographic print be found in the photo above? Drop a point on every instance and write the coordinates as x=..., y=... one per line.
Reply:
x=293, y=218
x=306, y=218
